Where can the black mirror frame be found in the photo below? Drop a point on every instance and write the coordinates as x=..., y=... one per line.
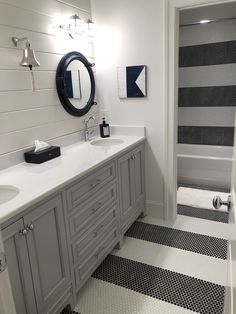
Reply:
x=60, y=83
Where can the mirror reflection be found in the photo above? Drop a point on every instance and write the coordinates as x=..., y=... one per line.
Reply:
x=77, y=83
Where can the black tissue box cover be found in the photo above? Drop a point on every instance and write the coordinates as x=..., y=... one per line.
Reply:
x=43, y=155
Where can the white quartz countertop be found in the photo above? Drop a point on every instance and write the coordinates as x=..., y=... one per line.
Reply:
x=35, y=182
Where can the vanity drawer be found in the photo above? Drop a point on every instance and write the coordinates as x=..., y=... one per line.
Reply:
x=87, y=213
x=85, y=270
x=82, y=248
x=91, y=184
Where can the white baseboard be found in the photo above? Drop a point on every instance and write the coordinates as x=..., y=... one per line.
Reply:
x=155, y=209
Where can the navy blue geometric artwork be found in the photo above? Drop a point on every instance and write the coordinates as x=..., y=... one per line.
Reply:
x=132, y=81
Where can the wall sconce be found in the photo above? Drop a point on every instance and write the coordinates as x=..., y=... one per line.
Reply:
x=29, y=58
x=76, y=26
x=90, y=28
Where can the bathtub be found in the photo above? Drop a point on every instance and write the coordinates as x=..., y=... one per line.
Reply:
x=204, y=165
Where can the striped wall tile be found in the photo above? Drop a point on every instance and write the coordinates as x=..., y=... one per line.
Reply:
x=221, y=136
x=207, y=33
x=209, y=96
x=211, y=75
x=208, y=54
x=217, y=11
x=206, y=116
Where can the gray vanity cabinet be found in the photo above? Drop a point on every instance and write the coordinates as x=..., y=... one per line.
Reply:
x=37, y=258
x=131, y=185
x=19, y=268
x=93, y=220
x=56, y=246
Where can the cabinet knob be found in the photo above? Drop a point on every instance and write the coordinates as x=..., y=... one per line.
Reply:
x=23, y=232
x=30, y=227
x=133, y=156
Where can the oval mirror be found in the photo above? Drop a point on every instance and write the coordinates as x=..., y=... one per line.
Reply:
x=75, y=83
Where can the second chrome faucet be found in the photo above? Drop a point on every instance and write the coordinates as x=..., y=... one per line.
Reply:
x=87, y=132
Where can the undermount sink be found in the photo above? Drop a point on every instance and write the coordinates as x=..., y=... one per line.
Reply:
x=7, y=193
x=107, y=142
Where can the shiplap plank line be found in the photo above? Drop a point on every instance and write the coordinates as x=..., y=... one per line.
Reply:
x=25, y=19
x=51, y=7
x=25, y=138
x=58, y=44
x=27, y=100
x=45, y=79
x=213, y=75
x=21, y=80
x=10, y=80
x=83, y=5
x=210, y=116
x=10, y=60
x=27, y=115
x=35, y=20
x=19, y=120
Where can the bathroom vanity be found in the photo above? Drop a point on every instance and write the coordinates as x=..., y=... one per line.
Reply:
x=68, y=216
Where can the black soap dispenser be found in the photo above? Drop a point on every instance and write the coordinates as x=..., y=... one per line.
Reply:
x=104, y=128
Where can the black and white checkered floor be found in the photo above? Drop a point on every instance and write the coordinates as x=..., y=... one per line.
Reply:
x=163, y=267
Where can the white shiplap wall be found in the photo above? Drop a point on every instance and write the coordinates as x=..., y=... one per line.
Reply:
x=26, y=115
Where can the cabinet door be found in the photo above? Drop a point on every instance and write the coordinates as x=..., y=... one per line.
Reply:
x=48, y=252
x=19, y=268
x=126, y=182
x=138, y=174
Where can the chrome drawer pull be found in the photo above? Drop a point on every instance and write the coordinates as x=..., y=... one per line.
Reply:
x=94, y=184
x=97, y=208
x=96, y=233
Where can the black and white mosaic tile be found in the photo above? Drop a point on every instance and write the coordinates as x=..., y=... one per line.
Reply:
x=180, y=239
x=203, y=213
x=172, y=287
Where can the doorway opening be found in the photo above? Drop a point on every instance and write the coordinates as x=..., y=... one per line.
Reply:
x=206, y=109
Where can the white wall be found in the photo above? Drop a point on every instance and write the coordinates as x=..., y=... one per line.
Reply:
x=26, y=115
x=132, y=33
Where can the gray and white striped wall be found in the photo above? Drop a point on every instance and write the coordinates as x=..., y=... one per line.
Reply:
x=207, y=77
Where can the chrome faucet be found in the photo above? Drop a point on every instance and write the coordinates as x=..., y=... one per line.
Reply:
x=86, y=130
